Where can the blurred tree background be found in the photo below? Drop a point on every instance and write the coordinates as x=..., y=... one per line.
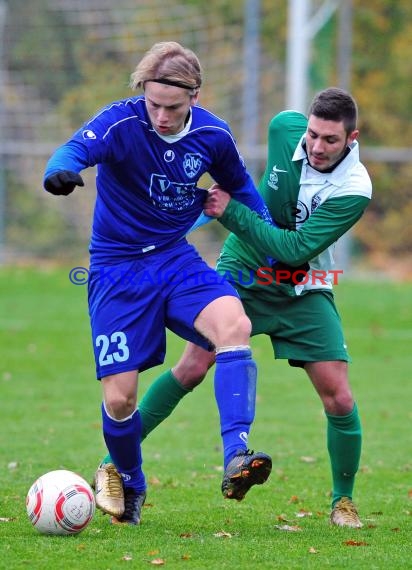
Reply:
x=60, y=60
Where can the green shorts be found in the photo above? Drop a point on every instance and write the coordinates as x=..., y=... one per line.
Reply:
x=302, y=328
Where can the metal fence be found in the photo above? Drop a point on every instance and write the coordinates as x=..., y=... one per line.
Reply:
x=245, y=82
x=32, y=124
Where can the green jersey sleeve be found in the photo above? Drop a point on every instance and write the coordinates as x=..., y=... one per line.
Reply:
x=255, y=239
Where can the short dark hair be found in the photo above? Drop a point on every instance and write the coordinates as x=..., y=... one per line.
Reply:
x=335, y=104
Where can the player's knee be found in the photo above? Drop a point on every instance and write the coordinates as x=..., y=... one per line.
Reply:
x=120, y=406
x=235, y=331
x=344, y=404
x=340, y=403
x=245, y=326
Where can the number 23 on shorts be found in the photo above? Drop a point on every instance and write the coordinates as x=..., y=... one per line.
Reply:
x=113, y=348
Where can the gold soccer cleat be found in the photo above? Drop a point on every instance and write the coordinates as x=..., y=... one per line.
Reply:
x=109, y=492
x=344, y=513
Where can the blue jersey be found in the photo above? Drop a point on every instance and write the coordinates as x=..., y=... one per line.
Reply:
x=147, y=184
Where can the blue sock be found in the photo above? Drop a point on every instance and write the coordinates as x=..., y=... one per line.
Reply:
x=122, y=439
x=235, y=392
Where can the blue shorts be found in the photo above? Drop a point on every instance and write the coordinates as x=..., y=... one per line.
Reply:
x=132, y=303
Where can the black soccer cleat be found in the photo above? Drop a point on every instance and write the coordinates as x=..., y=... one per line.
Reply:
x=133, y=503
x=243, y=471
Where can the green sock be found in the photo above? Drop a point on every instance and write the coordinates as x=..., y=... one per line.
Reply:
x=158, y=403
x=344, y=438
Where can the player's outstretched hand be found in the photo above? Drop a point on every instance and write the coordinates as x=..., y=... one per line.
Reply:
x=216, y=201
x=62, y=183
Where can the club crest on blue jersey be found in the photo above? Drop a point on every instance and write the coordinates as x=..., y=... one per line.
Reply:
x=192, y=163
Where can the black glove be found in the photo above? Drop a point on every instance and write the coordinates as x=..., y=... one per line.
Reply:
x=63, y=183
x=288, y=275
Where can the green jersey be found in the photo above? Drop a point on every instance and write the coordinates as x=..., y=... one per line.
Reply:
x=312, y=209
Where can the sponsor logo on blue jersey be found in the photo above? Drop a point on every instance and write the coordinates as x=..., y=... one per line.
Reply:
x=169, y=195
x=169, y=155
x=88, y=134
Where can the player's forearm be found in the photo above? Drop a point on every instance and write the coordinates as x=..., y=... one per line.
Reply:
x=250, y=197
x=71, y=156
x=267, y=240
x=322, y=229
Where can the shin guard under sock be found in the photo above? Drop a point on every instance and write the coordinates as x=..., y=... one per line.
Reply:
x=158, y=403
x=122, y=438
x=235, y=392
x=344, y=440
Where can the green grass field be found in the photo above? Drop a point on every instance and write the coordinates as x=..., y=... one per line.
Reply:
x=50, y=419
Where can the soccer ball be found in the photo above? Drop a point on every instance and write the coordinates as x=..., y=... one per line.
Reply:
x=60, y=502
